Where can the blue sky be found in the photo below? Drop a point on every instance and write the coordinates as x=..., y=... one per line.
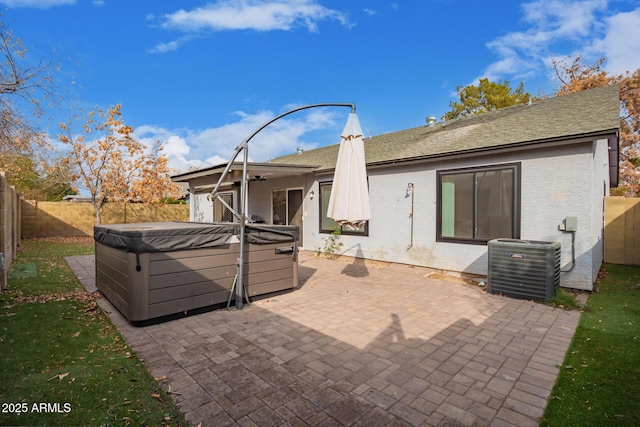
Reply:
x=202, y=76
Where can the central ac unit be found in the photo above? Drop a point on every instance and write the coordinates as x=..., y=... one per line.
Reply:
x=524, y=269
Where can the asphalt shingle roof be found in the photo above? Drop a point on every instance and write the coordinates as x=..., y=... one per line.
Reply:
x=565, y=117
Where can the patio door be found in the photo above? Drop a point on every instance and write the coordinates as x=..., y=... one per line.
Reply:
x=287, y=208
x=220, y=211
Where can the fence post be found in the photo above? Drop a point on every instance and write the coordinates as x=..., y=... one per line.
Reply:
x=9, y=220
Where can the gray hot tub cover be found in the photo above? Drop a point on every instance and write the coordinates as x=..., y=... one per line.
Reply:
x=179, y=235
x=263, y=234
x=162, y=236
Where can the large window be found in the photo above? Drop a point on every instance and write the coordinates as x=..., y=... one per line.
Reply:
x=479, y=204
x=327, y=225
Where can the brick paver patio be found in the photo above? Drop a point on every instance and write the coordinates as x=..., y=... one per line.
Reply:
x=358, y=343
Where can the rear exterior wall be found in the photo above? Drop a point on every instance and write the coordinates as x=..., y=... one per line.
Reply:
x=556, y=182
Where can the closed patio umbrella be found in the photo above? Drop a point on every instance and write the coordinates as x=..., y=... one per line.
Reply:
x=349, y=200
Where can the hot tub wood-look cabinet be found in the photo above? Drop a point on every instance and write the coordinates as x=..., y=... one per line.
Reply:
x=150, y=270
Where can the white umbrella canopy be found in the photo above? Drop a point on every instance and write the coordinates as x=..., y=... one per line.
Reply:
x=349, y=200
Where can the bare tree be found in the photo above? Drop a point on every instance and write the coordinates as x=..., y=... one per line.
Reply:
x=23, y=88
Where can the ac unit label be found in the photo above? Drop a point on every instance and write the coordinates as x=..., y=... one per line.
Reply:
x=519, y=256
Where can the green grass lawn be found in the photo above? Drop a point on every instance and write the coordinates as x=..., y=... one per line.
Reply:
x=63, y=362
x=599, y=382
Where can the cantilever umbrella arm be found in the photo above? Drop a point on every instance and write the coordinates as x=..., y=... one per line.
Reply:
x=243, y=189
x=245, y=143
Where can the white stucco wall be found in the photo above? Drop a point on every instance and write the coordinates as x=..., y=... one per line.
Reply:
x=201, y=208
x=553, y=188
x=555, y=183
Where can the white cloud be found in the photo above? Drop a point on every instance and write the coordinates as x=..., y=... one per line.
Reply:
x=559, y=28
x=369, y=12
x=211, y=146
x=37, y=4
x=256, y=15
x=563, y=18
x=175, y=146
x=170, y=46
x=621, y=43
x=98, y=3
x=216, y=160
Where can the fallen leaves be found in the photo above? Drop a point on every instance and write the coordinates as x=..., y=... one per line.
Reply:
x=79, y=239
x=60, y=377
x=602, y=274
x=157, y=396
x=79, y=295
x=172, y=392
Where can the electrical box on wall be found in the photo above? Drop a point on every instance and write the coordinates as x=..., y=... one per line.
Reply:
x=571, y=223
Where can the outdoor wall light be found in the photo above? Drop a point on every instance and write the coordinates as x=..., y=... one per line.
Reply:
x=311, y=195
x=409, y=190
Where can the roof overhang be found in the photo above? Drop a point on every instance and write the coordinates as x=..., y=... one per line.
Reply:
x=255, y=171
x=611, y=135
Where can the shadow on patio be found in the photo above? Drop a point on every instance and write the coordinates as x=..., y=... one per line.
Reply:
x=393, y=346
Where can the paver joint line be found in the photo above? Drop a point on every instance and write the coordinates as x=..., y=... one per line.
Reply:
x=342, y=350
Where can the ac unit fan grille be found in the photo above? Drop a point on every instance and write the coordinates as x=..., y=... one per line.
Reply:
x=524, y=269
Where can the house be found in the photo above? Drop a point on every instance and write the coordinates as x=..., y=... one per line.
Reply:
x=439, y=192
x=73, y=198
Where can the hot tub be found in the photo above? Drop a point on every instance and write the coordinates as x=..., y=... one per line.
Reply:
x=150, y=270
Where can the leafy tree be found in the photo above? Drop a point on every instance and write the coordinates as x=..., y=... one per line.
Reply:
x=53, y=182
x=112, y=165
x=153, y=184
x=575, y=76
x=35, y=180
x=486, y=96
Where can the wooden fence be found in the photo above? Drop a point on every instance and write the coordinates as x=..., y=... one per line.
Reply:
x=9, y=227
x=622, y=230
x=67, y=219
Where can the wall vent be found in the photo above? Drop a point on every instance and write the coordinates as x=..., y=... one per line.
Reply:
x=524, y=269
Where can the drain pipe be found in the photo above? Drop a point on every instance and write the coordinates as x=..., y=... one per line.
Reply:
x=573, y=252
x=570, y=225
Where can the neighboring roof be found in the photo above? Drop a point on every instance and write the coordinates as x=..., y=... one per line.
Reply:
x=254, y=169
x=77, y=198
x=587, y=114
